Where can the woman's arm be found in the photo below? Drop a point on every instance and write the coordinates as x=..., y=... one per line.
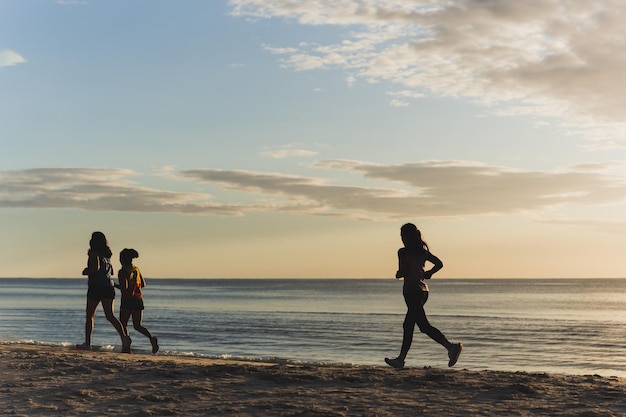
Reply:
x=122, y=277
x=93, y=264
x=437, y=265
x=401, y=263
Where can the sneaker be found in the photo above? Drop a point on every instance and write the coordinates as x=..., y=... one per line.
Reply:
x=155, y=344
x=83, y=346
x=395, y=363
x=126, y=341
x=453, y=353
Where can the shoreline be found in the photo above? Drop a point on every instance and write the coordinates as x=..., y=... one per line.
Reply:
x=44, y=380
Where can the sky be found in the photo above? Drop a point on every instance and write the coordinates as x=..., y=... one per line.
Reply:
x=293, y=138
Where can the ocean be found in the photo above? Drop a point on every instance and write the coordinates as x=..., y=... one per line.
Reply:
x=569, y=326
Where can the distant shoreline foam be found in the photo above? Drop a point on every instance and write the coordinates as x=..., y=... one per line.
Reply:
x=176, y=354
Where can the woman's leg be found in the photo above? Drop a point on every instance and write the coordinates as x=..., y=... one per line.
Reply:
x=425, y=326
x=108, y=311
x=90, y=314
x=416, y=315
x=124, y=316
x=413, y=304
x=137, y=319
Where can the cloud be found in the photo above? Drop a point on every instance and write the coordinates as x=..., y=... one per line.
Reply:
x=285, y=153
x=304, y=195
x=454, y=188
x=435, y=189
x=556, y=59
x=399, y=103
x=9, y=58
x=99, y=190
x=429, y=189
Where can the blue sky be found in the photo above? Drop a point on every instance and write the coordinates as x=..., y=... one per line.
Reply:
x=286, y=138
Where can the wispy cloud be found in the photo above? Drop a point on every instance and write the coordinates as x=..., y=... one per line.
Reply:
x=466, y=188
x=285, y=153
x=429, y=189
x=399, y=103
x=9, y=58
x=423, y=189
x=556, y=59
x=299, y=194
x=97, y=189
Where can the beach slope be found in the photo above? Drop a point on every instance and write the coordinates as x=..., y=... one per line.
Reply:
x=50, y=381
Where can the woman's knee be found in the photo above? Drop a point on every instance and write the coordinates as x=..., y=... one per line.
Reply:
x=408, y=324
x=425, y=328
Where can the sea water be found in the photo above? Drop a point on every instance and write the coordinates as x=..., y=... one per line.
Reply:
x=570, y=326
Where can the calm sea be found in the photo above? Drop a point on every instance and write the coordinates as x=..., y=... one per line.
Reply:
x=562, y=325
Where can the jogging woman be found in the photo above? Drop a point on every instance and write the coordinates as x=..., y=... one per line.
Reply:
x=100, y=289
x=411, y=261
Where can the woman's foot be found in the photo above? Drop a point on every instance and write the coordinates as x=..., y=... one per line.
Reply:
x=453, y=353
x=83, y=346
x=395, y=363
x=126, y=341
x=155, y=344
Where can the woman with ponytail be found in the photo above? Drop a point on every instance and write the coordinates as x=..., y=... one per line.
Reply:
x=100, y=289
x=411, y=261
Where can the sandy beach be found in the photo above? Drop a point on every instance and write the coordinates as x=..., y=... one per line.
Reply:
x=53, y=381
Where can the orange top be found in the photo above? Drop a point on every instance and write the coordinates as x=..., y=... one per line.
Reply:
x=131, y=282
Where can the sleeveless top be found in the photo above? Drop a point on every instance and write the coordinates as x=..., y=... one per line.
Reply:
x=133, y=275
x=104, y=276
x=413, y=271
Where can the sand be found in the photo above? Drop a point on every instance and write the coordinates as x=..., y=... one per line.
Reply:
x=54, y=381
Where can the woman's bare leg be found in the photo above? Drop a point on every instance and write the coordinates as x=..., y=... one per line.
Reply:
x=137, y=319
x=124, y=316
x=108, y=311
x=90, y=314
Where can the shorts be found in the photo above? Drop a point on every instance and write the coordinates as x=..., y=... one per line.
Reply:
x=101, y=292
x=132, y=303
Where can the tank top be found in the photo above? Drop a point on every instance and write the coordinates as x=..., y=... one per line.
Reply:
x=414, y=273
x=104, y=275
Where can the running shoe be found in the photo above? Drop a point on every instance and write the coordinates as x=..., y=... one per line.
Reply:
x=83, y=346
x=453, y=353
x=395, y=363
